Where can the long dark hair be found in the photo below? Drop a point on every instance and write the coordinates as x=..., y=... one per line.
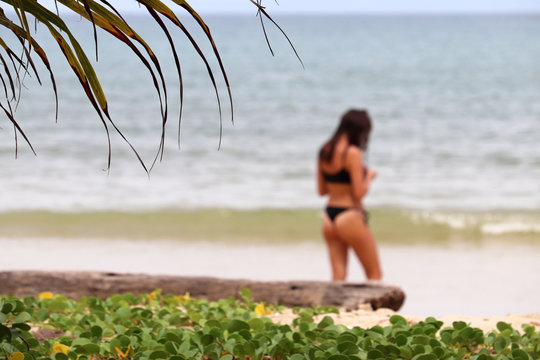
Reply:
x=356, y=125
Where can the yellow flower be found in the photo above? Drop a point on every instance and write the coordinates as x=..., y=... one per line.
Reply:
x=184, y=299
x=16, y=356
x=45, y=295
x=123, y=354
x=154, y=294
x=60, y=348
x=261, y=310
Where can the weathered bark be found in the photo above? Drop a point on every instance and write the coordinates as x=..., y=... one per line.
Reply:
x=288, y=293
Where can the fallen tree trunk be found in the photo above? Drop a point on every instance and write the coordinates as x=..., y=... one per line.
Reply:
x=288, y=293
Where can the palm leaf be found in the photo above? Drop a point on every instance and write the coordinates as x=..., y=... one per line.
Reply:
x=169, y=14
x=102, y=14
x=262, y=11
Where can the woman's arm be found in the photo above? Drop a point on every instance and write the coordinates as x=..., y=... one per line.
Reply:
x=360, y=176
x=321, y=183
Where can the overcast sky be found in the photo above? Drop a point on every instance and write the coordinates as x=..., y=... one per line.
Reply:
x=372, y=6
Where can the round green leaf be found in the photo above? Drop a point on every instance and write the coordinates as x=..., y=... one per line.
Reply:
x=123, y=312
x=7, y=308
x=519, y=354
x=401, y=340
x=398, y=320
x=347, y=336
x=207, y=339
x=347, y=348
x=158, y=354
x=426, y=357
x=256, y=324
x=501, y=326
x=338, y=357
x=297, y=357
x=325, y=322
x=406, y=351
x=500, y=343
x=60, y=356
x=375, y=354
x=96, y=331
x=42, y=315
x=171, y=347
x=237, y=325
x=22, y=326
x=5, y=333
x=22, y=317
x=90, y=349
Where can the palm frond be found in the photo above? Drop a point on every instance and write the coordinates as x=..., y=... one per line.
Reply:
x=103, y=15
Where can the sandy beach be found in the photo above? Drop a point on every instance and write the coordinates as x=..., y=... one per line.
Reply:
x=364, y=317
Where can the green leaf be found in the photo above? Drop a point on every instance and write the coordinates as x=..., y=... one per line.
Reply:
x=245, y=293
x=501, y=326
x=171, y=347
x=256, y=324
x=348, y=348
x=7, y=308
x=237, y=325
x=60, y=356
x=425, y=357
x=325, y=322
x=91, y=349
x=338, y=357
x=347, y=336
x=5, y=333
x=96, y=331
x=207, y=339
x=401, y=340
x=500, y=343
x=519, y=354
x=57, y=305
x=158, y=354
x=398, y=320
x=375, y=354
x=297, y=357
x=123, y=312
x=22, y=317
x=22, y=326
x=420, y=339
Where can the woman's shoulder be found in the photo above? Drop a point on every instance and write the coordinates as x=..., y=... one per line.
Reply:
x=354, y=151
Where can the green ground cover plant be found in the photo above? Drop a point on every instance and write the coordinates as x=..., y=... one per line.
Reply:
x=155, y=326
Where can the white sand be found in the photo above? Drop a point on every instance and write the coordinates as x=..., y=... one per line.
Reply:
x=364, y=317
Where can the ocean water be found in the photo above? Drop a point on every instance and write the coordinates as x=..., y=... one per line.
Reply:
x=455, y=102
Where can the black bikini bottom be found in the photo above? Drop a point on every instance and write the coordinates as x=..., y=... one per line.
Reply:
x=333, y=212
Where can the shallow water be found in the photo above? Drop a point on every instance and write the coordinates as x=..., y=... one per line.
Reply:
x=438, y=280
x=454, y=101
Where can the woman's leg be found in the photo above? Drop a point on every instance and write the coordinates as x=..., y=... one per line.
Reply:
x=351, y=229
x=337, y=250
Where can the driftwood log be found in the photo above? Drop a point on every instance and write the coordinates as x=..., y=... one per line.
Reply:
x=288, y=293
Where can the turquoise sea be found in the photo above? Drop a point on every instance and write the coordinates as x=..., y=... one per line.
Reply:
x=455, y=102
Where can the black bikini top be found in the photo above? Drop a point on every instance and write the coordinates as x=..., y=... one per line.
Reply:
x=342, y=176
x=339, y=177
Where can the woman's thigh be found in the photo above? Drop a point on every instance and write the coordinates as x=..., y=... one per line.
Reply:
x=352, y=230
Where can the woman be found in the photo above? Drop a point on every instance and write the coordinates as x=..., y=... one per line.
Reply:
x=344, y=178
